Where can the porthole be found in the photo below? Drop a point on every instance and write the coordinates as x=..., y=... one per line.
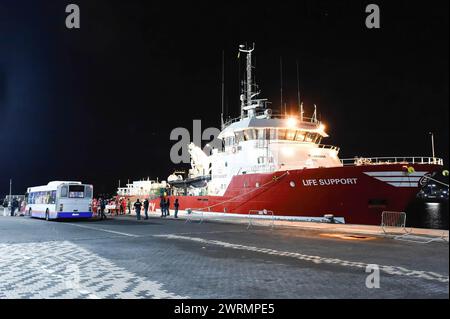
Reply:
x=292, y=184
x=257, y=185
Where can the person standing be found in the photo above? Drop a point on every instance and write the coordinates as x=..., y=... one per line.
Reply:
x=162, y=203
x=117, y=206
x=146, y=204
x=102, y=208
x=176, y=204
x=95, y=206
x=167, y=206
x=137, y=207
x=129, y=206
x=14, y=205
x=121, y=206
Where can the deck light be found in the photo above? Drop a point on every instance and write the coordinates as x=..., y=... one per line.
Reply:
x=291, y=122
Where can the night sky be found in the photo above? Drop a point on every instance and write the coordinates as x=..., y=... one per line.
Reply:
x=98, y=104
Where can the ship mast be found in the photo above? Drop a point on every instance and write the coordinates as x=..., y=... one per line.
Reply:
x=246, y=99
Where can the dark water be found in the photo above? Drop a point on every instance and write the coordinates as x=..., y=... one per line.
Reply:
x=427, y=215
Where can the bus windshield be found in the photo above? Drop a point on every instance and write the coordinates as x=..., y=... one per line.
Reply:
x=76, y=191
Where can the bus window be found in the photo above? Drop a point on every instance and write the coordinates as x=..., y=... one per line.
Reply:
x=76, y=191
x=64, y=191
x=52, y=197
x=88, y=192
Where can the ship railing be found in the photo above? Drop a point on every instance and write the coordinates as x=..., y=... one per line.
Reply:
x=260, y=218
x=330, y=147
x=359, y=161
x=273, y=116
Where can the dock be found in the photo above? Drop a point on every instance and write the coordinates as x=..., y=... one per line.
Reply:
x=213, y=258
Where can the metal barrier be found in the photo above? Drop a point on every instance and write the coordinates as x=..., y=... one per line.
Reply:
x=191, y=213
x=393, y=220
x=262, y=213
x=397, y=220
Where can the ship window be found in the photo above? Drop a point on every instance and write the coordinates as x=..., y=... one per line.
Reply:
x=316, y=137
x=300, y=136
x=309, y=137
x=281, y=134
x=239, y=136
x=273, y=134
x=261, y=134
x=290, y=135
x=267, y=134
x=257, y=185
x=377, y=202
x=292, y=184
x=249, y=134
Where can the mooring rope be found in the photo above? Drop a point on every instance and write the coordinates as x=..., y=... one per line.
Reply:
x=274, y=179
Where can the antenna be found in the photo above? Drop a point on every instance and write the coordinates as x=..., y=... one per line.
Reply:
x=300, y=104
x=281, y=84
x=247, y=96
x=432, y=144
x=239, y=81
x=314, y=118
x=223, y=87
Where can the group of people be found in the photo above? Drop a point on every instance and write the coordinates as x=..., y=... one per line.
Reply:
x=122, y=205
x=164, y=205
x=15, y=205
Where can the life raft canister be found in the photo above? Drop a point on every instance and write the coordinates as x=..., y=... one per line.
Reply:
x=409, y=169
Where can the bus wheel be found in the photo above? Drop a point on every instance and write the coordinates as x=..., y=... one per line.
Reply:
x=47, y=215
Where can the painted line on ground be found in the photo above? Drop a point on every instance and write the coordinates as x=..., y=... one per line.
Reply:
x=104, y=230
x=392, y=270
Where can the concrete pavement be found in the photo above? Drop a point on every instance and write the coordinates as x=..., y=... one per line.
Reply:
x=167, y=258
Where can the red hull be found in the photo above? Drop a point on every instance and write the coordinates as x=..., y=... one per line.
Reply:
x=358, y=193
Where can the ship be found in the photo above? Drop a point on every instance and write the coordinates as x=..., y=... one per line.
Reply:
x=276, y=164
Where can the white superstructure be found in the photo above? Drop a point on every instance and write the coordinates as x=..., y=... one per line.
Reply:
x=262, y=142
x=141, y=188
